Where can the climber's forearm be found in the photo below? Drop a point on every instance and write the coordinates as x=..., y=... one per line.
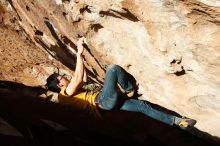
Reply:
x=79, y=71
x=84, y=75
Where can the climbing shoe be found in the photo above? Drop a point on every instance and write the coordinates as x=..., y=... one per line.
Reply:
x=133, y=91
x=130, y=93
x=185, y=123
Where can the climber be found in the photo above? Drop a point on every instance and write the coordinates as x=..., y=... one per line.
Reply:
x=108, y=98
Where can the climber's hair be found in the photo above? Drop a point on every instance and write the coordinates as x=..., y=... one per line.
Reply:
x=52, y=82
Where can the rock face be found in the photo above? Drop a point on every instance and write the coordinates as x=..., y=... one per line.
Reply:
x=170, y=46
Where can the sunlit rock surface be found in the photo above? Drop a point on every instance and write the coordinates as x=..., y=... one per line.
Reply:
x=171, y=47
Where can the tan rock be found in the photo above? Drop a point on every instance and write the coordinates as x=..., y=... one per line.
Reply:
x=171, y=47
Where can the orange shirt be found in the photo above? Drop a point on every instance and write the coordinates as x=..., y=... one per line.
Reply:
x=83, y=100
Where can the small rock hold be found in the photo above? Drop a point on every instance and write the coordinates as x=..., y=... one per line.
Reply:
x=128, y=65
x=38, y=32
x=58, y=2
x=28, y=8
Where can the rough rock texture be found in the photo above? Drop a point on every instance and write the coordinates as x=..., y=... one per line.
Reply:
x=170, y=46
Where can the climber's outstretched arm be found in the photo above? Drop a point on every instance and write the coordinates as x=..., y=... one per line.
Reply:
x=79, y=71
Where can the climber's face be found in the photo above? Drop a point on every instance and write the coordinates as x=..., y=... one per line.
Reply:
x=63, y=81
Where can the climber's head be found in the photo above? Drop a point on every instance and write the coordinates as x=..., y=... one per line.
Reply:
x=55, y=82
